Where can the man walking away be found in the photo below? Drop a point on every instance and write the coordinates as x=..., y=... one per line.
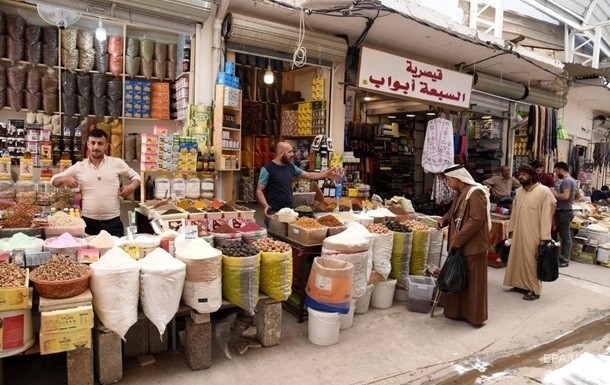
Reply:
x=564, y=214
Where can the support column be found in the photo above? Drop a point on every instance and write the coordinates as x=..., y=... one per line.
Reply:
x=198, y=339
x=108, y=355
x=80, y=366
x=268, y=321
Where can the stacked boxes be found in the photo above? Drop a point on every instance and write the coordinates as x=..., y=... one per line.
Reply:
x=66, y=329
x=305, y=119
x=182, y=97
x=15, y=298
x=318, y=112
x=232, y=97
x=317, y=88
x=160, y=101
x=187, y=154
x=228, y=77
x=289, y=122
x=149, y=152
x=137, y=98
x=167, y=155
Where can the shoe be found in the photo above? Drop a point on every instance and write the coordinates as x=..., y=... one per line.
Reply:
x=564, y=263
x=518, y=290
x=531, y=296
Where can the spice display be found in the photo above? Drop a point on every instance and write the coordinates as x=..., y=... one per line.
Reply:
x=64, y=198
x=378, y=228
x=250, y=226
x=11, y=275
x=307, y=223
x=398, y=227
x=17, y=220
x=237, y=249
x=330, y=221
x=271, y=245
x=226, y=207
x=224, y=229
x=20, y=241
x=211, y=210
x=61, y=219
x=64, y=241
x=303, y=209
x=172, y=211
x=415, y=225
x=60, y=269
x=192, y=210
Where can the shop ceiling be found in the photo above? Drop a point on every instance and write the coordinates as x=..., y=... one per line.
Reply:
x=413, y=37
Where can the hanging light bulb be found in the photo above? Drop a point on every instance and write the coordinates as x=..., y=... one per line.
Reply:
x=100, y=32
x=269, y=77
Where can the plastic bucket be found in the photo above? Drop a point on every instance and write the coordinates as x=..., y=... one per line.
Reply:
x=383, y=294
x=363, y=302
x=17, y=331
x=348, y=319
x=603, y=253
x=323, y=327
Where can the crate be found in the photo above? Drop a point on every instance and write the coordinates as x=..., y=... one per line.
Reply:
x=15, y=298
x=307, y=237
x=65, y=320
x=303, y=198
x=277, y=227
x=421, y=290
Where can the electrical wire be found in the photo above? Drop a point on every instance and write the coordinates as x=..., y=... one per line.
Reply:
x=299, y=58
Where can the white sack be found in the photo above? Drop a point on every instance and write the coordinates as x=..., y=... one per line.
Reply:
x=115, y=286
x=359, y=260
x=161, y=282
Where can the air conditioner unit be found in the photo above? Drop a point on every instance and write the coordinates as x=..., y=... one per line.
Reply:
x=283, y=38
x=179, y=16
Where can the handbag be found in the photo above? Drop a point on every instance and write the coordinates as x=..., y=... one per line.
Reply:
x=503, y=249
x=548, y=261
x=453, y=277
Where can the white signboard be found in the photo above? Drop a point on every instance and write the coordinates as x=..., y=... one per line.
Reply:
x=384, y=72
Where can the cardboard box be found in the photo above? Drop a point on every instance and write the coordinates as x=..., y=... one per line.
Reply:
x=15, y=298
x=307, y=237
x=62, y=342
x=65, y=320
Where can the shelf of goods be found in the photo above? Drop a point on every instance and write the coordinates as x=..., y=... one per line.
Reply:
x=135, y=77
x=226, y=137
x=394, y=168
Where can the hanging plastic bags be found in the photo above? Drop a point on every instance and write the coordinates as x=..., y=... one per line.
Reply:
x=453, y=277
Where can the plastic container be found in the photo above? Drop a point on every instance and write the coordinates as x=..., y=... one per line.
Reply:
x=401, y=293
x=45, y=192
x=17, y=330
x=603, y=253
x=162, y=187
x=178, y=186
x=323, y=327
x=207, y=186
x=348, y=319
x=421, y=290
x=193, y=187
x=25, y=190
x=383, y=294
x=362, y=303
x=7, y=188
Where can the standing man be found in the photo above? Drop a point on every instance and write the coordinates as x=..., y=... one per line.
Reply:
x=501, y=186
x=530, y=225
x=469, y=223
x=568, y=191
x=99, y=179
x=544, y=178
x=274, y=190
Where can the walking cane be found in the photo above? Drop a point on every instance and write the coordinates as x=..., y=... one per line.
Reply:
x=437, y=296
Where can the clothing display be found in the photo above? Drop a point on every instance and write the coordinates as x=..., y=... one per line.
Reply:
x=437, y=154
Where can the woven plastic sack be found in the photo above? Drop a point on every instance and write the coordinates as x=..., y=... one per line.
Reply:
x=160, y=69
x=115, y=45
x=100, y=83
x=147, y=68
x=33, y=101
x=69, y=59
x=49, y=103
x=86, y=59
x=100, y=46
x=15, y=25
x=114, y=89
x=132, y=65
x=133, y=47
x=276, y=275
x=172, y=53
x=101, y=61
x=84, y=106
x=115, y=65
x=99, y=106
x=2, y=23
x=358, y=260
x=49, y=54
x=69, y=104
x=3, y=45
x=15, y=49
x=16, y=77
x=33, y=53
x=419, y=252
x=382, y=254
x=32, y=83
x=329, y=287
x=435, y=247
x=114, y=108
x=83, y=84
x=147, y=49
x=402, y=246
x=50, y=35
x=33, y=33
x=15, y=99
x=117, y=308
x=161, y=283
x=171, y=70
x=221, y=239
x=69, y=37
x=160, y=52
x=84, y=40
x=240, y=281
x=250, y=236
x=68, y=83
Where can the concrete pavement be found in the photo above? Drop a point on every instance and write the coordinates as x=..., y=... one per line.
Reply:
x=395, y=346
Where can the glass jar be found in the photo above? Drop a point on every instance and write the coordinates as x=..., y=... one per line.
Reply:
x=193, y=187
x=64, y=198
x=207, y=186
x=45, y=192
x=178, y=186
x=162, y=187
x=25, y=190
x=7, y=188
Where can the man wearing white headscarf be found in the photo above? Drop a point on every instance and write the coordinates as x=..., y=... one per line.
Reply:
x=469, y=224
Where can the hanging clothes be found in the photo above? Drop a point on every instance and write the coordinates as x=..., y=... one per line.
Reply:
x=441, y=192
x=437, y=154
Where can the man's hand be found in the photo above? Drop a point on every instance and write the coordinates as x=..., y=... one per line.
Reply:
x=333, y=173
x=266, y=210
x=69, y=182
x=439, y=224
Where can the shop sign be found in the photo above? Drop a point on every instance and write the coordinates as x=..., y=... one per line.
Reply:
x=384, y=72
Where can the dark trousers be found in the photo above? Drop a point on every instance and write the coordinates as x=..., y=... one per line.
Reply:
x=564, y=218
x=114, y=226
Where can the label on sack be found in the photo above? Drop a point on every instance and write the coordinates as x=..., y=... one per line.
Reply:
x=295, y=231
x=322, y=282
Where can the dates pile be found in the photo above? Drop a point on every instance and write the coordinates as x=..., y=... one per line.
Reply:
x=398, y=227
x=59, y=268
x=270, y=245
x=237, y=249
x=11, y=275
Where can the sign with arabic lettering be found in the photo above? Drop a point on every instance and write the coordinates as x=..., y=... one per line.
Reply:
x=384, y=72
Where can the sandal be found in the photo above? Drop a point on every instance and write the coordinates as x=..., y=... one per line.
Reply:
x=531, y=296
x=519, y=290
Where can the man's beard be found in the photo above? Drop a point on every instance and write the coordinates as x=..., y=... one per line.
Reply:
x=526, y=183
x=286, y=159
x=560, y=176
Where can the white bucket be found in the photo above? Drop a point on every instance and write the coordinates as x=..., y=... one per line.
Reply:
x=17, y=325
x=603, y=253
x=323, y=327
x=401, y=293
x=363, y=302
x=383, y=294
x=348, y=319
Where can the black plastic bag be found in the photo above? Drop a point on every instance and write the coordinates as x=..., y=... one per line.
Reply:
x=453, y=277
x=503, y=249
x=548, y=261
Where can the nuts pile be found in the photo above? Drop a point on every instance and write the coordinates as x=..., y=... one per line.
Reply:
x=307, y=223
x=330, y=221
x=237, y=249
x=378, y=228
x=415, y=225
x=11, y=275
x=271, y=245
x=61, y=219
x=59, y=269
x=398, y=227
x=20, y=216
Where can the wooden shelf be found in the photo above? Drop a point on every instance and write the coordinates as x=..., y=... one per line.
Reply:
x=231, y=129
